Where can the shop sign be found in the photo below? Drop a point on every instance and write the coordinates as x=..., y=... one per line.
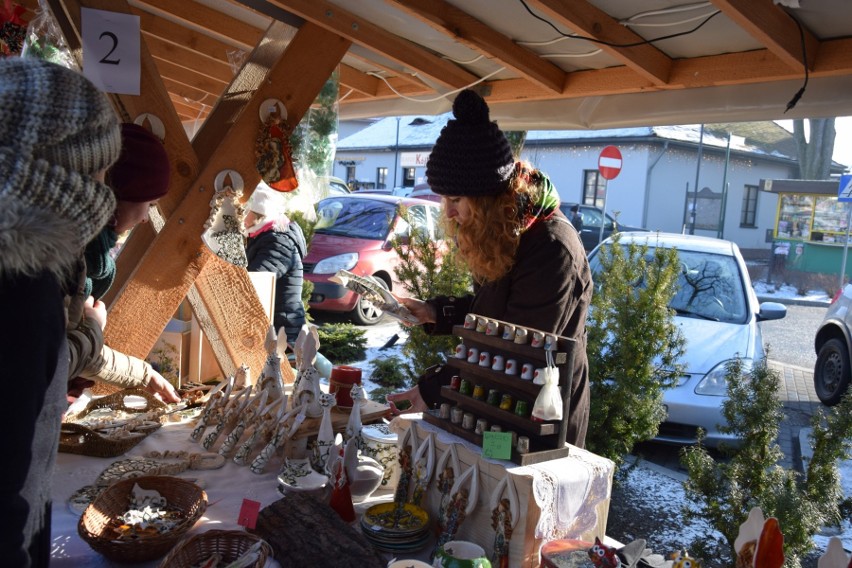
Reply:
x=413, y=159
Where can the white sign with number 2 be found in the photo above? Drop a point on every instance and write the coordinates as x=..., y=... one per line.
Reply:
x=111, y=50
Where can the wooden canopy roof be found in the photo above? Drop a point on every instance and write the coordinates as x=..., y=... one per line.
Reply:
x=539, y=63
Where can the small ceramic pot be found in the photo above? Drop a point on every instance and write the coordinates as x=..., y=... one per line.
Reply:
x=380, y=444
x=461, y=554
x=408, y=564
x=340, y=384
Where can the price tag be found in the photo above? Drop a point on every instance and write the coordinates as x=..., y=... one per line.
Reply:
x=111, y=50
x=248, y=513
x=497, y=445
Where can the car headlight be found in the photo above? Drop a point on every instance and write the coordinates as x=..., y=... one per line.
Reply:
x=332, y=264
x=715, y=383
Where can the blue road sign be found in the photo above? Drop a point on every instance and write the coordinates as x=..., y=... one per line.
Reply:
x=844, y=191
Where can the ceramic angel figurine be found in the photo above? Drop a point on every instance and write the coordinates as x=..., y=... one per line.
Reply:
x=835, y=556
x=408, y=447
x=354, y=426
x=230, y=414
x=270, y=379
x=759, y=543
x=465, y=494
x=217, y=398
x=422, y=467
x=242, y=377
x=325, y=436
x=263, y=428
x=341, y=495
x=283, y=432
x=505, y=511
x=448, y=469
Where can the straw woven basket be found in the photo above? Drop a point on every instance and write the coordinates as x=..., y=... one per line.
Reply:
x=94, y=524
x=230, y=544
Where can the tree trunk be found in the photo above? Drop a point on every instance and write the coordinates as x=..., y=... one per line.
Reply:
x=814, y=155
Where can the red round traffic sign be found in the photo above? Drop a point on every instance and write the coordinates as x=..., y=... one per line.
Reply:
x=609, y=162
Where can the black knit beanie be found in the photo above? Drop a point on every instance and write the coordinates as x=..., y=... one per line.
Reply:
x=472, y=155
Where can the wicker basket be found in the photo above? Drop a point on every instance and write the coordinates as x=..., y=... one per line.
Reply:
x=78, y=439
x=115, y=500
x=230, y=544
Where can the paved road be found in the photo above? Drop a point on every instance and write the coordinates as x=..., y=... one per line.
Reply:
x=791, y=340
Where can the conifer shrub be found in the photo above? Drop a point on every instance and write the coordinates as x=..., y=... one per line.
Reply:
x=723, y=491
x=428, y=269
x=389, y=373
x=634, y=346
x=342, y=343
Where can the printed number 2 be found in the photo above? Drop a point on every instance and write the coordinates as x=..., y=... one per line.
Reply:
x=105, y=58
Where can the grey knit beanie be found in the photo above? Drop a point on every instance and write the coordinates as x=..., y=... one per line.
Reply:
x=472, y=155
x=57, y=130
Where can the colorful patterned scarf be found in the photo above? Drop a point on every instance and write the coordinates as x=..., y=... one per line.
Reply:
x=544, y=206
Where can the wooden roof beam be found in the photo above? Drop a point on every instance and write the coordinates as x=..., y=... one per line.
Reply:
x=228, y=29
x=588, y=20
x=774, y=28
x=367, y=34
x=180, y=55
x=835, y=58
x=466, y=29
x=190, y=77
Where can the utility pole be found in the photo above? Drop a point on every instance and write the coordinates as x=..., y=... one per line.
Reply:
x=697, y=171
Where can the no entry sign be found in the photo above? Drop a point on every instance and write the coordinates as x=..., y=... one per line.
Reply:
x=609, y=162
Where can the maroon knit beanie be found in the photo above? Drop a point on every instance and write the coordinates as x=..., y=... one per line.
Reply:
x=142, y=171
x=472, y=156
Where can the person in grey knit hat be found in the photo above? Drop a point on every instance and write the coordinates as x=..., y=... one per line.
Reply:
x=58, y=136
x=528, y=264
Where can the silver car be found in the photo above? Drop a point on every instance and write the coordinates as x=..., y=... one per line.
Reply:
x=719, y=314
x=832, y=345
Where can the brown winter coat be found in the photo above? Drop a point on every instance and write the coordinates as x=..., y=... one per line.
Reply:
x=549, y=288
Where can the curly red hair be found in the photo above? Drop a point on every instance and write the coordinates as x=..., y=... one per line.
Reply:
x=488, y=241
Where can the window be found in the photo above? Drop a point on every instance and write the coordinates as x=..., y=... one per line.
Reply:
x=350, y=175
x=747, y=219
x=594, y=188
x=381, y=178
x=407, y=177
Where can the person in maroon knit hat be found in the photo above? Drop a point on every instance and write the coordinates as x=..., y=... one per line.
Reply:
x=138, y=180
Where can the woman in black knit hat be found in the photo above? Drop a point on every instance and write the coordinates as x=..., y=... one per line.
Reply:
x=528, y=264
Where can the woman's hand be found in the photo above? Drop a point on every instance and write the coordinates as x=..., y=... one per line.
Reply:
x=419, y=309
x=160, y=387
x=96, y=310
x=406, y=402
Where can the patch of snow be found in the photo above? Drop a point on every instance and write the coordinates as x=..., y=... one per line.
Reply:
x=765, y=290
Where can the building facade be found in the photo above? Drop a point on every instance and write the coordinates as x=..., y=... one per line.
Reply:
x=655, y=187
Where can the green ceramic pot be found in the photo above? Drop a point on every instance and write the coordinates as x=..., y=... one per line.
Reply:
x=461, y=554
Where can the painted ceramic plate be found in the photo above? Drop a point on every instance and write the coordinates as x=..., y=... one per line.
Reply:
x=298, y=475
x=388, y=519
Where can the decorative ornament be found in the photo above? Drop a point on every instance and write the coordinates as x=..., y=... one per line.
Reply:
x=465, y=494
x=759, y=543
x=325, y=435
x=682, y=559
x=449, y=468
x=505, y=512
x=271, y=379
x=223, y=230
x=835, y=556
x=13, y=29
x=217, y=398
x=283, y=432
x=153, y=123
x=264, y=427
x=272, y=148
x=354, y=426
x=423, y=467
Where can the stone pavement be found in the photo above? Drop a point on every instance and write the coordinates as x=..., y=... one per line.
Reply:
x=800, y=403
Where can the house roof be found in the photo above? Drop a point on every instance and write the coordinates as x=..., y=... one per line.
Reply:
x=765, y=137
x=541, y=64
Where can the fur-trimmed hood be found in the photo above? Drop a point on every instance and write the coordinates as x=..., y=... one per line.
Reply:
x=33, y=240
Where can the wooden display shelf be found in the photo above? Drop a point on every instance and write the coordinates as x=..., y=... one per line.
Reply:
x=537, y=453
x=512, y=384
x=518, y=350
x=504, y=418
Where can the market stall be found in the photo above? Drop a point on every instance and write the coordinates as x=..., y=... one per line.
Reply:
x=811, y=226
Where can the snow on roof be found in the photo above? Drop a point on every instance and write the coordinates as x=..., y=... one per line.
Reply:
x=416, y=131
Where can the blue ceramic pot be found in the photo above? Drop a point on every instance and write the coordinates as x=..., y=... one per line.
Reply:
x=461, y=554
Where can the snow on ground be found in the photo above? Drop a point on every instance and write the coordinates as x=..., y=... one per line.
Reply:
x=781, y=292
x=651, y=485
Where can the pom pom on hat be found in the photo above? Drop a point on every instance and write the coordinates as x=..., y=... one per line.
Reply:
x=142, y=171
x=57, y=130
x=472, y=155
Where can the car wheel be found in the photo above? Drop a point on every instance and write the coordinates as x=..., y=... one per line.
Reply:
x=832, y=372
x=366, y=312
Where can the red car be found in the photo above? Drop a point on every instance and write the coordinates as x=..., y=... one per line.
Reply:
x=354, y=232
